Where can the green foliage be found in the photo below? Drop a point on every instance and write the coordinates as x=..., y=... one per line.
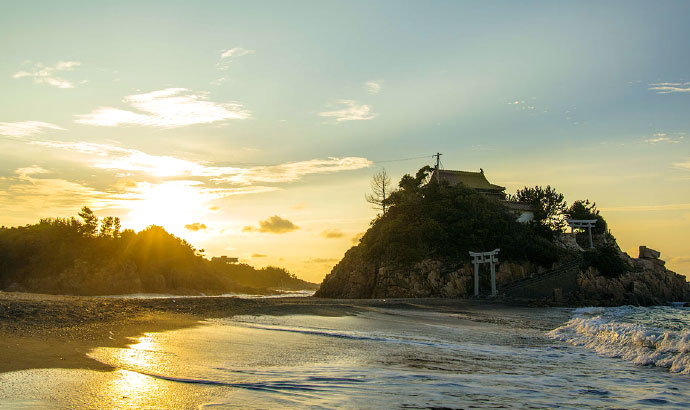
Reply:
x=90, y=225
x=66, y=255
x=549, y=205
x=444, y=222
x=607, y=261
x=583, y=209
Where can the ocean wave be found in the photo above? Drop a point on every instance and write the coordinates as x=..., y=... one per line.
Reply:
x=609, y=333
x=350, y=335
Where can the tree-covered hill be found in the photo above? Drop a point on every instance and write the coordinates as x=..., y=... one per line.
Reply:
x=419, y=247
x=90, y=257
x=430, y=221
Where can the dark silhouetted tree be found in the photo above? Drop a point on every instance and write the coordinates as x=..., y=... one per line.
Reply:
x=107, y=226
x=116, y=227
x=380, y=191
x=90, y=226
x=583, y=209
x=549, y=205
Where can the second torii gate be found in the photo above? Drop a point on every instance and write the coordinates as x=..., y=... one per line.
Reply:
x=485, y=257
x=583, y=223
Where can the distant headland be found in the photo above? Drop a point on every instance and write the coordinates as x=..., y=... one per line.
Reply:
x=88, y=256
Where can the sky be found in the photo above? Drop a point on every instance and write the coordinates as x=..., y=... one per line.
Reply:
x=252, y=129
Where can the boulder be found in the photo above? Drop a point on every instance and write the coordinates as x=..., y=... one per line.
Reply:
x=648, y=253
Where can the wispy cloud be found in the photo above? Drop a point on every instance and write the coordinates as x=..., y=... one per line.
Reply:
x=373, y=87
x=258, y=255
x=667, y=88
x=661, y=137
x=292, y=171
x=172, y=107
x=106, y=156
x=332, y=233
x=48, y=75
x=321, y=260
x=349, y=110
x=274, y=224
x=355, y=239
x=31, y=189
x=683, y=165
x=648, y=208
x=228, y=55
x=25, y=128
x=235, y=52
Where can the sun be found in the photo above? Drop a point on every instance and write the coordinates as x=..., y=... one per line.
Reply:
x=170, y=204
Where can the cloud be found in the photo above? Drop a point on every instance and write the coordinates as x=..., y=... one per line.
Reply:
x=235, y=52
x=661, y=137
x=47, y=75
x=373, y=87
x=106, y=156
x=228, y=55
x=349, y=110
x=25, y=128
x=259, y=255
x=28, y=191
x=292, y=171
x=274, y=224
x=682, y=165
x=680, y=259
x=355, y=239
x=169, y=108
x=196, y=226
x=321, y=260
x=667, y=88
x=332, y=233
x=642, y=208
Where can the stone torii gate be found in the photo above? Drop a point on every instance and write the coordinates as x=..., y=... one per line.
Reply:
x=485, y=257
x=583, y=223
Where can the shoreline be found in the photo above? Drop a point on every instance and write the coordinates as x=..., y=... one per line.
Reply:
x=56, y=331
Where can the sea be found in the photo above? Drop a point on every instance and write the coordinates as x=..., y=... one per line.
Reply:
x=387, y=358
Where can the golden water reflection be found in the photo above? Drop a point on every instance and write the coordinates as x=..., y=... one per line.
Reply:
x=133, y=387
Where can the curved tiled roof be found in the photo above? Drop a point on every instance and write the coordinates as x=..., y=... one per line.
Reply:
x=475, y=180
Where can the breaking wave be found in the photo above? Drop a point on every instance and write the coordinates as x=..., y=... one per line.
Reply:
x=651, y=336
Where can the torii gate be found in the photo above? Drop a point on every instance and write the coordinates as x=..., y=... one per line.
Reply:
x=583, y=223
x=485, y=257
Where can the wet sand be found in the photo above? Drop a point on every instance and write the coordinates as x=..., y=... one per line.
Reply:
x=53, y=331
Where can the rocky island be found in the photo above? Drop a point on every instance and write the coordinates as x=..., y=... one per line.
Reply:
x=420, y=247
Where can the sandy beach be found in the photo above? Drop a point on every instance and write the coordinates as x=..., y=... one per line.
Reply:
x=56, y=331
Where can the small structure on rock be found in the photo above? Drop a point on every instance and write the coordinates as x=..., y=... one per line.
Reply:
x=648, y=253
x=225, y=259
x=523, y=211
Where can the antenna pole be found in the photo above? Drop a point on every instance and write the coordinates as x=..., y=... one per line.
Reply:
x=438, y=162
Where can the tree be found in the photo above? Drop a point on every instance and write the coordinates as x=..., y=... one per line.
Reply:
x=583, y=209
x=90, y=227
x=549, y=205
x=106, y=227
x=380, y=190
x=116, y=227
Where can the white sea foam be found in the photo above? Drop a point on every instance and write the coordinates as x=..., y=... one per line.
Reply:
x=627, y=333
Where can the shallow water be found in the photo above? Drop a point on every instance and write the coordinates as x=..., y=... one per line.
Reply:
x=382, y=358
x=282, y=294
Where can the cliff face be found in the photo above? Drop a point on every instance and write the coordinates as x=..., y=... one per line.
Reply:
x=355, y=278
x=646, y=282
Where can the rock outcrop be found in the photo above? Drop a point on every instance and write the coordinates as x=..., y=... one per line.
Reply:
x=646, y=281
